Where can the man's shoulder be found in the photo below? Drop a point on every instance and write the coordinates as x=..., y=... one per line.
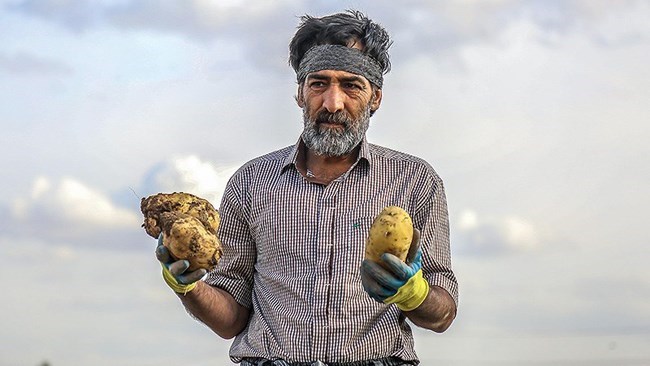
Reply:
x=274, y=160
x=385, y=154
x=405, y=162
x=407, y=166
x=277, y=156
x=391, y=154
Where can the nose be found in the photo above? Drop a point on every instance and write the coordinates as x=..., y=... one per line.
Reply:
x=333, y=99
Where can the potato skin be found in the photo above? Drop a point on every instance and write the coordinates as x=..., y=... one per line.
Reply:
x=391, y=232
x=188, y=225
x=179, y=202
x=186, y=238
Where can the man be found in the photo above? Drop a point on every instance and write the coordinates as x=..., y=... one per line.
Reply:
x=293, y=286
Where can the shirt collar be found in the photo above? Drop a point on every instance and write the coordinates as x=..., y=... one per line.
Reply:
x=292, y=157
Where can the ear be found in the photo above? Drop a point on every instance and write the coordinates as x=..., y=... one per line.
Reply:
x=300, y=100
x=377, y=99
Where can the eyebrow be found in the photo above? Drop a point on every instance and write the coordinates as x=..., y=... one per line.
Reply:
x=353, y=78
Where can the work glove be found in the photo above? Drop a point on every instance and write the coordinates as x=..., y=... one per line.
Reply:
x=397, y=282
x=174, y=272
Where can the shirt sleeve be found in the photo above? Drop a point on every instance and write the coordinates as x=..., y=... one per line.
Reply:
x=432, y=218
x=234, y=272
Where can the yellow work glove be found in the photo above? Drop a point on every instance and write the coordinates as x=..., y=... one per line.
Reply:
x=397, y=283
x=174, y=272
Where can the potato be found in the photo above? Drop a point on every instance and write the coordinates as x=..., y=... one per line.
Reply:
x=188, y=225
x=187, y=238
x=179, y=202
x=391, y=232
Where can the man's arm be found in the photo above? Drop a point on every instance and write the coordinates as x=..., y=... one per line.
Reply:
x=427, y=306
x=430, y=307
x=439, y=308
x=217, y=309
x=211, y=305
x=436, y=313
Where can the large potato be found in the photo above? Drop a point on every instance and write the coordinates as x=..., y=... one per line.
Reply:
x=178, y=202
x=188, y=225
x=391, y=232
x=187, y=238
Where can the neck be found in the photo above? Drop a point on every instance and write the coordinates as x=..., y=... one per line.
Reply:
x=322, y=160
x=324, y=169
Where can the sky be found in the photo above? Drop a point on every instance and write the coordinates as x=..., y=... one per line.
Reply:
x=534, y=113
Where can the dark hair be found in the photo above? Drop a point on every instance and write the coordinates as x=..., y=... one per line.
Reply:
x=340, y=29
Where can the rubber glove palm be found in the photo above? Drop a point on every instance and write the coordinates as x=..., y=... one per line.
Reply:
x=175, y=272
x=397, y=282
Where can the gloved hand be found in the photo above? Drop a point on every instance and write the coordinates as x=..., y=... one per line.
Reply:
x=174, y=272
x=400, y=283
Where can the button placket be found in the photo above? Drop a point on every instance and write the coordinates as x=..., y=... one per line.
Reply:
x=325, y=245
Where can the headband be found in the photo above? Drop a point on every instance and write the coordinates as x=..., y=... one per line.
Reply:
x=337, y=57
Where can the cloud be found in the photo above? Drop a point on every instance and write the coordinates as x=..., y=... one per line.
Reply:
x=67, y=210
x=476, y=235
x=196, y=18
x=542, y=135
x=201, y=21
x=70, y=201
x=65, y=292
x=29, y=64
x=439, y=30
x=438, y=24
x=77, y=236
x=188, y=174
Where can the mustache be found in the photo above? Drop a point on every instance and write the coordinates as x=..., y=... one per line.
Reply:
x=339, y=117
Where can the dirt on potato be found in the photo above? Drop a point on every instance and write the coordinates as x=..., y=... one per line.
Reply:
x=188, y=225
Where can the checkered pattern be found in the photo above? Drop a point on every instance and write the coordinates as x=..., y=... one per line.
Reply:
x=292, y=252
x=390, y=361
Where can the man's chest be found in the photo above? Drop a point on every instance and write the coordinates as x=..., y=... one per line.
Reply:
x=298, y=225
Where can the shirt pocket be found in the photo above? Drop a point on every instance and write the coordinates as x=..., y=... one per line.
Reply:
x=347, y=258
x=351, y=239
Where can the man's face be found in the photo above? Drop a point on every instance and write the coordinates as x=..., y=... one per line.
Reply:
x=336, y=111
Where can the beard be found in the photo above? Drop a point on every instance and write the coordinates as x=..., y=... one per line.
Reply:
x=329, y=141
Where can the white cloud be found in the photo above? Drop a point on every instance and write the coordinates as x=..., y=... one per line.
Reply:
x=191, y=175
x=519, y=233
x=69, y=201
x=40, y=187
x=67, y=213
x=480, y=235
x=59, y=294
x=65, y=253
x=25, y=63
x=468, y=220
x=534, y=113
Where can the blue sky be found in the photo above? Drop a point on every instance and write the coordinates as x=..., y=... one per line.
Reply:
x=535, y=114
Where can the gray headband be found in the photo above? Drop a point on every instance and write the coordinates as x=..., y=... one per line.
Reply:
x=337, y=57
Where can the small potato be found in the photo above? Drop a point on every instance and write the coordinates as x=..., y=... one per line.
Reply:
x=391, y=232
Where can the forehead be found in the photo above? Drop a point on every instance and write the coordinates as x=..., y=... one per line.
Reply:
x=337, y=75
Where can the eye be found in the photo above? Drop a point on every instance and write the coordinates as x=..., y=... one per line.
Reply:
x=353, y=86
x=317, y=84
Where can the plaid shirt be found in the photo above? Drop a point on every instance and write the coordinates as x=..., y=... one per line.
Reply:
x=293, y=249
